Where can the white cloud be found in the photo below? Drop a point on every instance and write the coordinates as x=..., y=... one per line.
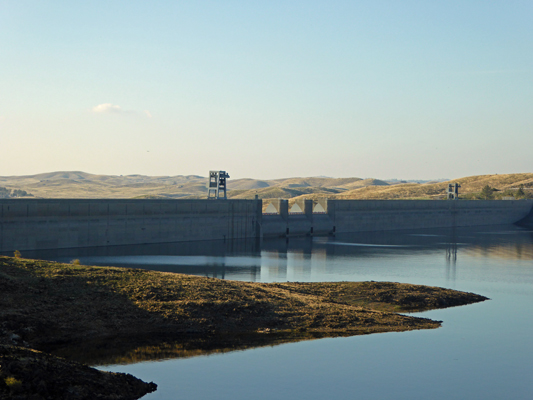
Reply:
x=107, y=108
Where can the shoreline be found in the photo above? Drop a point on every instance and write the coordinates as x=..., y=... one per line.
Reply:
x=48, y=304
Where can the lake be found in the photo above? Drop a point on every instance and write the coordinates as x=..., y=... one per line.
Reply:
x=482, y=351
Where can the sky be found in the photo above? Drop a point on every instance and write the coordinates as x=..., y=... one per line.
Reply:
x=410, y=89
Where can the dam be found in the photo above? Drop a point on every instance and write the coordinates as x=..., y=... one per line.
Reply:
x=36, y=224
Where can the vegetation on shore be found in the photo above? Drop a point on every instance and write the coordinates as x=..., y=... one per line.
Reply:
x=30, y=374
x=108, y=301
x=47, y=303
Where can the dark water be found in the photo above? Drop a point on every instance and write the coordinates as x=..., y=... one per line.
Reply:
x=482, y=351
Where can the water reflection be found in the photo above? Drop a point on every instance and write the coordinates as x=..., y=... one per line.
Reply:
x=451, y=256
x=483, y=349
x=504, y=251
x=308, y=258
x=441, y=257
x=131, y=350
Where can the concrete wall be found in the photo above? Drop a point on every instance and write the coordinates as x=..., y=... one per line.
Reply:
x=375, y=215
x=27, y=224
x=31, y=224
x=527, y=220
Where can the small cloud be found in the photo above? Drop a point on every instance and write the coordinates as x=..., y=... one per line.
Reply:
x=107, y=108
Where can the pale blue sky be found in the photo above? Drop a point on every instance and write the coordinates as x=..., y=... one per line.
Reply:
x=385, y=89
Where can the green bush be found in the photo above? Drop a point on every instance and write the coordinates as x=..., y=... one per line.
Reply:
x=487, y=193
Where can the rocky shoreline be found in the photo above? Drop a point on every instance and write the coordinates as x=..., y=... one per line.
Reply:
x=31, y=374
x=47, y=304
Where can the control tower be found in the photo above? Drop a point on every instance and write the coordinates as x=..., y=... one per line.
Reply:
x=216, y=187
x=453, y=191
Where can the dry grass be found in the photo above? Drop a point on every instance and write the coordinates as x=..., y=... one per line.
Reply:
x=83, y=185
x=413, y=191
x=45, y=302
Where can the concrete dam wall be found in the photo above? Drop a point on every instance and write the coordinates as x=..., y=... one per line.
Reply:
x=376, y=215
x=46, y=224
x=33, y=224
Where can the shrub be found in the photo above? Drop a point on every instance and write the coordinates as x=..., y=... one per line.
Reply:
x=487, y=193
x=13, y=383
x=17, y=254
x=75, y=262
x=520, y=192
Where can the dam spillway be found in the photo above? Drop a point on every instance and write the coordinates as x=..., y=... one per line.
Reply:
x=35, y=224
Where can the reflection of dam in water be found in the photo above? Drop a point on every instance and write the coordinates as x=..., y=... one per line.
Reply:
x=481, y=351
x=312, y=258
x=508, y=251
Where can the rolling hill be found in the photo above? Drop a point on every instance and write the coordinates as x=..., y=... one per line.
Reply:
x=76, y=184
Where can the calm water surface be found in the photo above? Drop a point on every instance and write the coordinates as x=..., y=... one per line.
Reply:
x=482, y=351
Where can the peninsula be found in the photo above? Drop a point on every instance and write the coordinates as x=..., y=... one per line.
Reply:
x=46, y=303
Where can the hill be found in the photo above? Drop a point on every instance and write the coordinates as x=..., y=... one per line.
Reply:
x=506, y=184
x=77, y=184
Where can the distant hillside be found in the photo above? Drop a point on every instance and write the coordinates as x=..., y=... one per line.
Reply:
x=507, y=183
x=365, y=183
x=314, y=182
x=76, y=184
x=247, y=184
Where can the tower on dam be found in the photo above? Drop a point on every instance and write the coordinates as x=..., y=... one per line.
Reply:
x=216, y=186
x=453, y=191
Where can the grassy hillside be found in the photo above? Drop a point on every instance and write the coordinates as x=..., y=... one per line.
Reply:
x=469, y=185
x=84, y=185
x=505, y=185
x=75, y=184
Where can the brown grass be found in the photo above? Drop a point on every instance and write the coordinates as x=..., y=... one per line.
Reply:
x=83, y=185
x=154, y=314
x=45, y=302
